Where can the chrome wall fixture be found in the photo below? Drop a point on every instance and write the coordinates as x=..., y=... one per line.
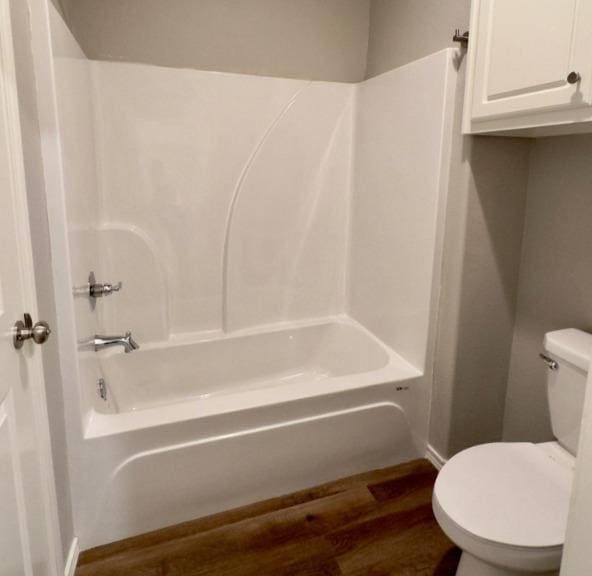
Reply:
x=102, y=389
x=100, y=289
x=461, y=37
x=93, y=289
x=127, y=342
x=551, y=364
x=100, y=342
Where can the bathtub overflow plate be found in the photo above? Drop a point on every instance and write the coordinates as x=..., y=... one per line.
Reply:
x=102, y=389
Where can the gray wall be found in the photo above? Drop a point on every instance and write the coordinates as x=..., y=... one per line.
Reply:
x=405, y=30
x=556, y=274
x=312, y=39
x=484, y=229
x=488, y=281
x=34, y=175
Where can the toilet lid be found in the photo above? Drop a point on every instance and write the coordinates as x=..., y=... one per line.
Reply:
x=509, y=493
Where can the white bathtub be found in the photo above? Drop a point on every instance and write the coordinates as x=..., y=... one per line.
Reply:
x=164, y=382
x=303, y=357
x=203, y=426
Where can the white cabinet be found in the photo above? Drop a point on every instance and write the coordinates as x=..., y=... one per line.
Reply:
x=529, y=67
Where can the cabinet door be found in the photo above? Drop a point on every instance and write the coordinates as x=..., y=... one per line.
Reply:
x=525, y=50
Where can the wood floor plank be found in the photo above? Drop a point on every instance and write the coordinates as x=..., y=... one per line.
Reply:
x=403, y=486
x=409, y=501
x=296, y=557
x=376, y=523
x=404, y=543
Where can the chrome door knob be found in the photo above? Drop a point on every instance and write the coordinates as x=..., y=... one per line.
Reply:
x=41, y=332
x=25, y=330
x=573, y=78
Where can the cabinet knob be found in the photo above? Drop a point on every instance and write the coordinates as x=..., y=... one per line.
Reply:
x=573, y=77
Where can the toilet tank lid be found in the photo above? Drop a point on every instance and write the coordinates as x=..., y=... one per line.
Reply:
x=572, y=345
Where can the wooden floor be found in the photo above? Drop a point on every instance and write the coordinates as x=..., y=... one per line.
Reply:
x=374, y=524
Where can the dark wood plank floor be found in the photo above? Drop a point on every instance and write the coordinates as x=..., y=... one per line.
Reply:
x=374, y=524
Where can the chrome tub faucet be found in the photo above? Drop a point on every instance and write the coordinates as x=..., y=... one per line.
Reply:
x=127, y=342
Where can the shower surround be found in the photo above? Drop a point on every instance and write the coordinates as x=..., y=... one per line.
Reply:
x=279, y=243
x=229, y=194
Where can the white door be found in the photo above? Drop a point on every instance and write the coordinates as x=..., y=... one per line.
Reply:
x=28, y=535
x=526, y=51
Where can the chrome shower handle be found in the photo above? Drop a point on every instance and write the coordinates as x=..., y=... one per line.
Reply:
x=110, y=288
x=100, y=289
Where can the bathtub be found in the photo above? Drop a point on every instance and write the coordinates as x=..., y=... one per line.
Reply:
x=196, y=426
x=283, y=361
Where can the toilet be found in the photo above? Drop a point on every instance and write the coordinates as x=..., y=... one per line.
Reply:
x=505, y=505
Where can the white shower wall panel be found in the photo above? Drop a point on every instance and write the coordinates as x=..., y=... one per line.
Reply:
x=288, y=234
x=206, y=181
x=75, y=117
x=402, y=147
x=77, y=138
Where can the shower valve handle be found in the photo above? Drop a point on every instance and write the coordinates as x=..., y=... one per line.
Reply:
x=99, y=289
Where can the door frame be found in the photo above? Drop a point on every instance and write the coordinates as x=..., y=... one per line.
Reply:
x=44, y=55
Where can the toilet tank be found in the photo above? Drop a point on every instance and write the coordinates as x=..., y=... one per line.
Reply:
x=566, y=382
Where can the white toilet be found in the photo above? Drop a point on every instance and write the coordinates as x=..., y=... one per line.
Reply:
x=506, y=504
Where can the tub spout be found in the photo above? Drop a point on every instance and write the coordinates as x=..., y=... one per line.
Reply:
x=127, y=342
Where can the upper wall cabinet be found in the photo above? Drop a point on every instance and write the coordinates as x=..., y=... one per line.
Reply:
x=529, y=67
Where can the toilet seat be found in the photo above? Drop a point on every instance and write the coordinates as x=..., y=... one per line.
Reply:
x=506, y=503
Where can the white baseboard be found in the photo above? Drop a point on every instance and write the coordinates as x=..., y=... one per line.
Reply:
x=435, y=457
x=72, y=559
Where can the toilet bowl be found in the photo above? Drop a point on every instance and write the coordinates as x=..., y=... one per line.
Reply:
x=506, y=504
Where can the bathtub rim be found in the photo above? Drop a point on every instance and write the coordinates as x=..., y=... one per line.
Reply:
x=396, y=372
